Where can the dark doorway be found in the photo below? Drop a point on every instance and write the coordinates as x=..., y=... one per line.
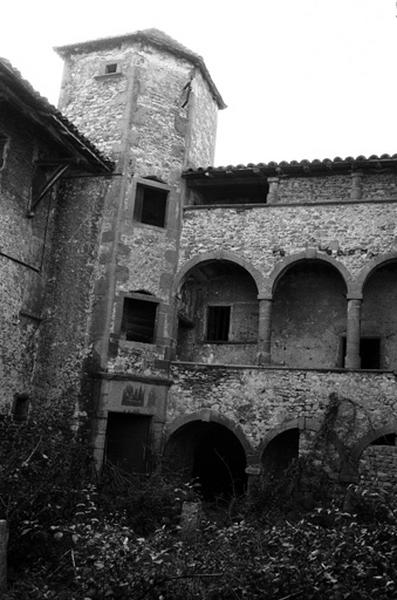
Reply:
x=128, y=440
x=280, y=453
x=369, y=352
x=211, y=453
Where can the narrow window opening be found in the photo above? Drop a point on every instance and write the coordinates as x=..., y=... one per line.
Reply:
x=3, y=149
x=218, y=323
x=150, y=205
x=20, y=408
x=111, y=68
x=138, y=321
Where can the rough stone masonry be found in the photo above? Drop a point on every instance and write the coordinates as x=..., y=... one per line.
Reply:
x=200, y=317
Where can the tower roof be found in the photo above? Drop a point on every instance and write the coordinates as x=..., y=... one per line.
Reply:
x=151, y=36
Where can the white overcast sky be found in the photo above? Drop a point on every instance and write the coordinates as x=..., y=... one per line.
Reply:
x=301, y=78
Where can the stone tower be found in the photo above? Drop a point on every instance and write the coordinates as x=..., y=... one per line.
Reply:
x=150, y=104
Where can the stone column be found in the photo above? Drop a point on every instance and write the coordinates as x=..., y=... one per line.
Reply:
x=356, y=191
x=272, y=196
x=353, y=333
x=264, y=331
x=253, y=473
x=3, y=555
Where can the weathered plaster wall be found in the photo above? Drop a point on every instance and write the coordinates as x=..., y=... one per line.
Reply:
x=353, y=234
x=139, y=117
x=235, y=289
x=309, y=317
x=23, y=257
x=96, y=103
x=259, y=400
x=203, y=124
x=64, y=343
x=379, y=315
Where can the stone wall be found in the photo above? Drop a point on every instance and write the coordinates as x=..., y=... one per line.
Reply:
x=265, y=236
x=23, y=257
x=378, y=468
x=233, y=288
x=309, y=317
x=144, y=117
x=260, y=400
x=65, y=341
x=320, y=188
x=379, y=318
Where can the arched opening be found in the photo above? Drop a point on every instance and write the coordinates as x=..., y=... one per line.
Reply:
x=211, y=453
x=217, y=314
x=280, y=452
x=378, y=464
x=378, y=346
x=309, y=316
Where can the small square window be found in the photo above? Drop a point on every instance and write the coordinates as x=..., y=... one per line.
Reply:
x=138, y=321
x=150, y=205
x=218, y=323
x=110, y=68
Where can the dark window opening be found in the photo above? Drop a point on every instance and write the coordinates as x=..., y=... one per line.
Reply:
x=138, y=322
x=111, y=68
x=385, y=440
x=128, y=441
x=150, y=205
x=369, y=352
x=218, y=323
x=20, y=408
x=250, y=192
x=3, y=149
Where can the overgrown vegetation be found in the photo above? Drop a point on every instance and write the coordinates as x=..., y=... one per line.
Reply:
x=74, y=538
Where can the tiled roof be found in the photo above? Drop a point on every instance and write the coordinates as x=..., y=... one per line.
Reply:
x=304, y=166
x=50, y=117
x=152, y=36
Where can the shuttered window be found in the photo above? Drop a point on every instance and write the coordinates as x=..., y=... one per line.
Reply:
x=139, y=319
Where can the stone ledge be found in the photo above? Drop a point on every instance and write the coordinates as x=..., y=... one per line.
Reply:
x=281, y=368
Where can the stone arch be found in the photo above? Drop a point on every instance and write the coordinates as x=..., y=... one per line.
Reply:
x=309, y=254
x=210, y=448
x=359, y=465
x=221, y=255
x=208, y=415
x=370, y=437
x=370, y=268
x=275, y=431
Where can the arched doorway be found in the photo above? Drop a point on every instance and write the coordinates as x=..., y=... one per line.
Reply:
x=378, y=347
x=309, y=316
x=218, y=314
x=211, y=453
x=378, y=464
x=280, y=452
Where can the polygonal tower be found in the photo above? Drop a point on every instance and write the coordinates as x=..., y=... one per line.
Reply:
x=150, y=104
